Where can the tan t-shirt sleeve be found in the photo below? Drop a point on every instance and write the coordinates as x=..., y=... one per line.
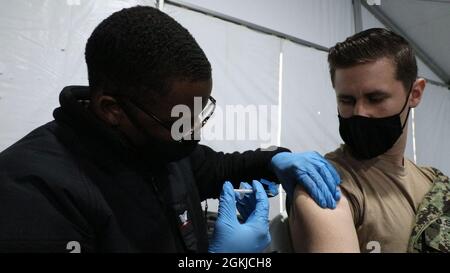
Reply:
x=429, y=173
x=352, y=190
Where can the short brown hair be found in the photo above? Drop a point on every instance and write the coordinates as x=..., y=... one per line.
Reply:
x=370, y=45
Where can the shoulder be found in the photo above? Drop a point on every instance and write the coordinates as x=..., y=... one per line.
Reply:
x=342, y=161
x=351, y=186
x=39, y=168
x=346, y=167
x=310, y=221
x=433, y=217
x=41, y=154
x=336, y=154
x=429, y=172
x=39, y=146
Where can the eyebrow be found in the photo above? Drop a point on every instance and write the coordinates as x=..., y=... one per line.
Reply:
x=344, y=96
x=373, y=93
x=381, y=93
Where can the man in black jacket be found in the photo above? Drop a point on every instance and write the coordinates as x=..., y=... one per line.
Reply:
x=107, y=175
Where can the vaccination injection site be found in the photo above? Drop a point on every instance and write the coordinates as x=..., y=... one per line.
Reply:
x=230, y=133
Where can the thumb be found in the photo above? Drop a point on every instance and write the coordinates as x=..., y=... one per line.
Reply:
x=262, y=201
x=243, y=185
x=227, y=203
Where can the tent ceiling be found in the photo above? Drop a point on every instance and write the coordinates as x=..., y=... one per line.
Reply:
x=426, y=23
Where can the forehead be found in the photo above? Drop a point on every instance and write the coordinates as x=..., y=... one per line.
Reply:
x=185, y=90
x=367, y=77
x=182, y=92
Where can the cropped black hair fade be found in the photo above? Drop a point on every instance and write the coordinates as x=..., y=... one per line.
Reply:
x=370, y=45
x=139, y=50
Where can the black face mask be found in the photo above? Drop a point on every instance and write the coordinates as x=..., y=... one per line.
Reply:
x=165, y=152
x=156, y=150
x=370, y=137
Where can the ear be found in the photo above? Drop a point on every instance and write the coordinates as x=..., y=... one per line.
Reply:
x=108, y=110
x=417, y=92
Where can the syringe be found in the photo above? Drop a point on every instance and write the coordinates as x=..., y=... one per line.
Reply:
x=243, y=190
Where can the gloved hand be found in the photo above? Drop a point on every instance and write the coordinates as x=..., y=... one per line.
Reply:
x=230, y=236
x=246, y=202
x=312, y=171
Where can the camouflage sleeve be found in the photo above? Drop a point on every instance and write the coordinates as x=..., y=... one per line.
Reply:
x=431, y=232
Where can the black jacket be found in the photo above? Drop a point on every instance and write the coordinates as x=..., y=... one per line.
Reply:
x=72, y=184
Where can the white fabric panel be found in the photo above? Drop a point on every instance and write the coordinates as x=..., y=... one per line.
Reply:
x=368, y=20
x=323, y=22
x=42, y=50
x=245, y=72
x=309, y=110
x=424, y=71
x=432, y=128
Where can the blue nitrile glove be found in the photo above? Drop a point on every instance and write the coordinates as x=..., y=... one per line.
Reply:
x=272, y=187
x=310, y=170
x=230, y=236
x=246, y=202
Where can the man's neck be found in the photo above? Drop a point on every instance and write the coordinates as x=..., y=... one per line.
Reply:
x=397, y=152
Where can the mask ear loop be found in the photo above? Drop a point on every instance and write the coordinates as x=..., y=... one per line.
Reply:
x=409, y=108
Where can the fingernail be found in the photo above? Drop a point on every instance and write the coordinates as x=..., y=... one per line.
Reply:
x=337, y=195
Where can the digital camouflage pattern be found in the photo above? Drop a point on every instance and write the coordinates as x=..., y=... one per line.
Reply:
x=431, y=232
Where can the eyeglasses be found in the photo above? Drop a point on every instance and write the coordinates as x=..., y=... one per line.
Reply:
x=198, y=122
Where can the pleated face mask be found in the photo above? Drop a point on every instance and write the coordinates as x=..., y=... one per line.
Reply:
x=370, y=137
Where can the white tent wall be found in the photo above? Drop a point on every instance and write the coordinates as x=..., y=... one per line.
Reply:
x=309, y=109
x=245, y=73
x=246, y=68
x=42, y=50
x=323, y=22
x=433, y=128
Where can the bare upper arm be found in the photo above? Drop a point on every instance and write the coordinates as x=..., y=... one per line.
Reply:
x=314, y=229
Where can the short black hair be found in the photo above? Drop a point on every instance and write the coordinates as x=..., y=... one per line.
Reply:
x=370, y=45
x=141, y=49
